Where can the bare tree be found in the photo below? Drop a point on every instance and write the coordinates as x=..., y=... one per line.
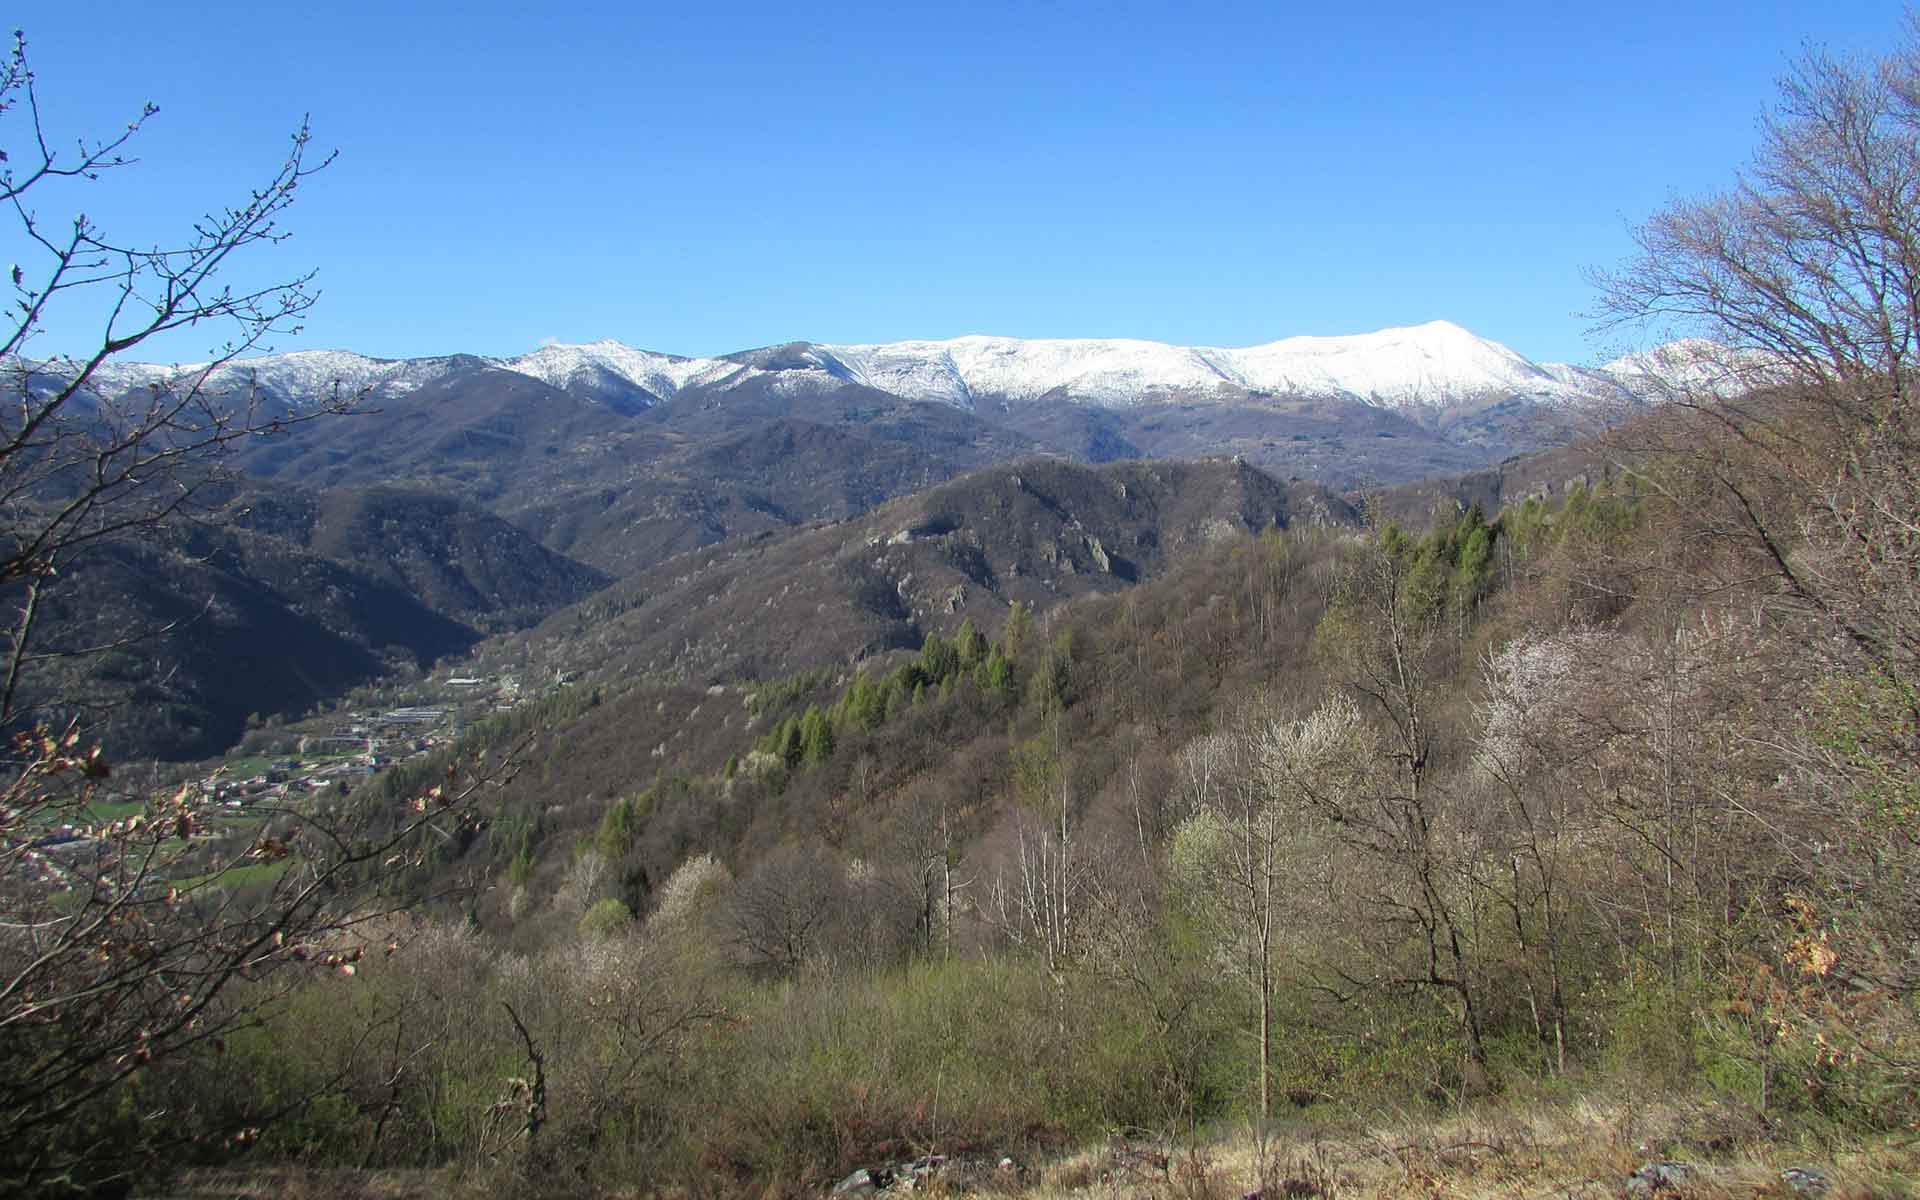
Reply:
x=1805, y=275
x=914, y=879
x=1045, y=905
x=89, y=453
x=1527, y=741
x=1232, y=861
x=781, y=915
x=134, y=942
x=609, y=1018
x=1795, y=472
x=1382, y=642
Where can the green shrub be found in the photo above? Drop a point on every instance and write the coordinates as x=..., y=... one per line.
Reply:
x=607, y=918
x=1653, y=1025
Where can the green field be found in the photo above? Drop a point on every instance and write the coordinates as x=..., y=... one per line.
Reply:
x=235, y=877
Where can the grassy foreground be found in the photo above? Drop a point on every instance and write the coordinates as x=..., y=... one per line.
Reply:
x=1586, y=1147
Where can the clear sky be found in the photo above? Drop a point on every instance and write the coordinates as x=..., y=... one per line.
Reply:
x=700, y=178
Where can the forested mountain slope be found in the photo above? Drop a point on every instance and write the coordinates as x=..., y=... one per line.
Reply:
x=1037, y=532
x=1539, y=797
x=279, y=604
x=1308, y=815
x=451, y=555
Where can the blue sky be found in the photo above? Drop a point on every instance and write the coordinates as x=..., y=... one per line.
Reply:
x=706, y=178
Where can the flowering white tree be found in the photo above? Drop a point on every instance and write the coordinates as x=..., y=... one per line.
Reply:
x=1527, y=733
x=1255, y=862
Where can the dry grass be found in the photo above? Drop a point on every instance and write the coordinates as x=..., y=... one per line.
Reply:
x=1513, y=1151
x=305, y=1183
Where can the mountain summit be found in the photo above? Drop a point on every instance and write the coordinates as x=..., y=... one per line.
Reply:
x=1423, y=370
x=1434, y=366
x=1358, y=411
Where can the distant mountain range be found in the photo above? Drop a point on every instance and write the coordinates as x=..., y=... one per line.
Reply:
x=1430, y=370
x=1367, y=410
x=474, y=496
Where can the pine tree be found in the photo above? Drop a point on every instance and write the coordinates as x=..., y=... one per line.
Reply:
x=816, y=737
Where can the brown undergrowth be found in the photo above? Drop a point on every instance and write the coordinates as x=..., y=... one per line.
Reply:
x=1515, y=1149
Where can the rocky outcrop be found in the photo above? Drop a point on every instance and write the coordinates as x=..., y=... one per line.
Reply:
x=949, y=1174
x=1665, y=1179
x=1683, y=1178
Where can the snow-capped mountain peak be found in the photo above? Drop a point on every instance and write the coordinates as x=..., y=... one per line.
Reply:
x=560, y=364
x=1436, y=367
x=1437, y=364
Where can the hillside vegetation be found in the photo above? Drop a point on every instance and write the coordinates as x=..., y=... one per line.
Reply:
x=280, y=605
x=1321, y=822
x=1150, y=828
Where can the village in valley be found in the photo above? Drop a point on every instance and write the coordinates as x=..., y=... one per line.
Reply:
x=276, y=770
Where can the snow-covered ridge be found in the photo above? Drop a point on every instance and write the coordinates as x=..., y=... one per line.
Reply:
x=1432, y=367
x=1436, y=365
x=661, y=374
x=1694, y=366
x=297, y=377
x=305, y=377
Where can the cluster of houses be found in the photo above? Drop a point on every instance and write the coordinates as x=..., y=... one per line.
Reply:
x=336, y=760
x=360, y=744
x=52, y=858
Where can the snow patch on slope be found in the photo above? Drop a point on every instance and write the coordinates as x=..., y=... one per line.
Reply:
x=306, y=377
x=1106, y=372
